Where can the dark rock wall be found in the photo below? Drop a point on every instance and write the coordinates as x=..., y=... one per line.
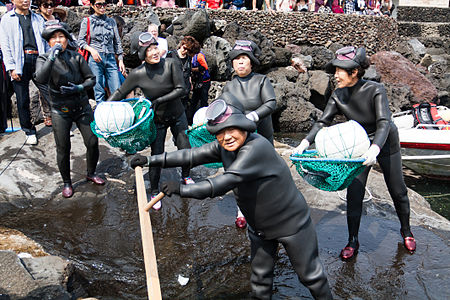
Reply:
x=423, y=14
x=375, y=33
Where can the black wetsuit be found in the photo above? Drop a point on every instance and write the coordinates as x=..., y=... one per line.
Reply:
x=163, y=85
x=366, y=103
x=69, y=66
x=275, y=210
x=256, y=93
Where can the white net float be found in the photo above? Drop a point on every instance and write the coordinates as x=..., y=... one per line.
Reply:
x=345, y=140
x=113, y=116
x=199, y=116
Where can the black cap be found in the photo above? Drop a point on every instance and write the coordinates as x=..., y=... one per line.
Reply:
x=248, y=48
x=347, y=58
x=145, y=40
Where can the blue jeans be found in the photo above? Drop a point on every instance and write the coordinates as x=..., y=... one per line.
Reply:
x=105, y=73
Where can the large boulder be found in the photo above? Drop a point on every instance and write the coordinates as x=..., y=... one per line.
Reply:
x=397, y=70
x=194, y=23
x=321, y=88
x=294, y=112
x=320, y=54
x=216, y=50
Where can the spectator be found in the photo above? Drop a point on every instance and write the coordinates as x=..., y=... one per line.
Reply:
x=284, y=5
x=68, y=76
x=187, y=48
x=322, y=6
x=336, y=7
x=21, y=47
x=350, y=7
x=104, y=46
x=238, y=5
x=46, y=9
x=6, y=91
x=201, y=81
x=301, y=5
x=162, y=42
x=257, y=5
x=162, y=82
x=165, y=3
x=214, y=4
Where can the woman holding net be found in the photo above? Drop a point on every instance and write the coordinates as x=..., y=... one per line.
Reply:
x=68, y=77
x=161, y=81
x=366, y=103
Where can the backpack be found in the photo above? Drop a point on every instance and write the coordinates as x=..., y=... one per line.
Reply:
x=426, y=113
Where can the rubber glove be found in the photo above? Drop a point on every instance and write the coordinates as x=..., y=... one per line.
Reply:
x=252, y=116
x=71, y=88
x=371, y=155
x=171, y=187
x=54, y=51
x=304, y=144
x=138, y=161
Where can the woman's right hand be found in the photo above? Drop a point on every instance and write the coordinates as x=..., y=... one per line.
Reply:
x=95, y=55
x=304, y=144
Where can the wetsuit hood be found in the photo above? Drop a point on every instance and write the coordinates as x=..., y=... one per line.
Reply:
x=227, y=111
x=253, y=54
x=55, y=26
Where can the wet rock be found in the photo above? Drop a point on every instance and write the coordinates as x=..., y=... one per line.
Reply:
x=320, y=88
x=34, y=278
x=395, y=69
x=98, y=231
x=417, y=46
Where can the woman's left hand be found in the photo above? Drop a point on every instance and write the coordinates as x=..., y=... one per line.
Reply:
x=122, y=68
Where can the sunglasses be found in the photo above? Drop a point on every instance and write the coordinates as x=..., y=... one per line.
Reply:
x=218, y=112
x=100, y=4
x=346, y=53
x=243, y=45
x=146, y=39
x=48, y=5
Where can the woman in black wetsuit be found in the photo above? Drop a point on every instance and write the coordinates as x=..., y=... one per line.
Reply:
x=264, y=189
x=253, y=90
x=161, y=81
x=366, y=103
x=68, y=76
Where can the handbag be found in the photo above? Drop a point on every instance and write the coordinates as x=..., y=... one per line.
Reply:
x=84, y=52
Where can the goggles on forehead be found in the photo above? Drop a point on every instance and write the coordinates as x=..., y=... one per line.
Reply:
x=243, y=45
x=346, y=53
x=217, y=112
x=146, y=39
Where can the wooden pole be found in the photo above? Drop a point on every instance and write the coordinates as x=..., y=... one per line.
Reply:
x=151, y=269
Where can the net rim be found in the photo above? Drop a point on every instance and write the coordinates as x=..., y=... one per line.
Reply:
x=296, y=157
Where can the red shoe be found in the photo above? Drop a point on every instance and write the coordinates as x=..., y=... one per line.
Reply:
x=349, y=252
x=409, y=242
x=240, y=222
x=67, y=191
x=95, y=179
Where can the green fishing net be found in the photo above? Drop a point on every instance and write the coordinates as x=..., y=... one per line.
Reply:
x=198, y=136
x=328, y=174
x=137, y=137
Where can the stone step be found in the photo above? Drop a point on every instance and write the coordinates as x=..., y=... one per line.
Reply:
x=424, y=29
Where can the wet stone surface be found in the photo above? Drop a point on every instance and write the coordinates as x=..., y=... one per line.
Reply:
x=98, y=230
